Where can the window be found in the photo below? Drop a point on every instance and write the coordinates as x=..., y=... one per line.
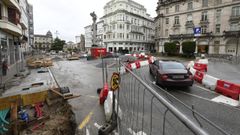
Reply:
x=11, y=49
x=204, y=29
x=166, y=32
x=177, y=31
x=167, y=10
x=236, y=11
x=167, y=20
x=190, y=6
x=218, y=16
x=177, y=8
x=189, y=30
x=189, y=18
x=218, y=2
x=204, y=3
x=176, y=20
x=204, y=16
x=234, y=27
x=218, y=28
x=128, y=27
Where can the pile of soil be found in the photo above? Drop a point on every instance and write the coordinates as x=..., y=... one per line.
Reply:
x=61, y=122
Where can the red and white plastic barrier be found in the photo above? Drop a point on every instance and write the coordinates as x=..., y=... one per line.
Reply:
x=200, y=67
x=225, y=88
x=193, y=71
x=199, y=76
x=137, y=64
x=103, y=94
x=228, y=89
x=209, y=82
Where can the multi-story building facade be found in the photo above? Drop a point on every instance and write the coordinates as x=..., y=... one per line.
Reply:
x=217, y=20
x=24, y=24
x=30, y=26
x=100, y=33
x=11, y=31
x=89, y=35
x=43, y=42
x=80, y=41
x=127, y=26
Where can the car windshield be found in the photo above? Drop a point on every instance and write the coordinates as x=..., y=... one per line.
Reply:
x=172, y=66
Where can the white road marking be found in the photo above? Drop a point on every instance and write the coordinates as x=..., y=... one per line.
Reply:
x=205, y=89
x=134, y=133
x=87, y=132
x=226, y=103
x=226, y=100
x=194, y=95
x=97, y=125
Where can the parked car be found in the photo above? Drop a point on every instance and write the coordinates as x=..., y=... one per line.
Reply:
x=171, y=73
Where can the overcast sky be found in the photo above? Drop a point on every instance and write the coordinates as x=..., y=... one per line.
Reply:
x=69, y=17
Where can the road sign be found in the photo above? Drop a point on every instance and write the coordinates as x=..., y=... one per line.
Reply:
x=115, y=80
x=197, y=31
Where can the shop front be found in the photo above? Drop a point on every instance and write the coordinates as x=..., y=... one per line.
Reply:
x=202, y=46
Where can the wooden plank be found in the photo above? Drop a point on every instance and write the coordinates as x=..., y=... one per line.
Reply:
x=6, y=102
x=14, y=118
x=57, y=92
x=34, y=98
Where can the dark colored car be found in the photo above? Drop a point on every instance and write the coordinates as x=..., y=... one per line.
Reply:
x=171, y=73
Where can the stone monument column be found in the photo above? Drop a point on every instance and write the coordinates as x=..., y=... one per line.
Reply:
x=94, y=28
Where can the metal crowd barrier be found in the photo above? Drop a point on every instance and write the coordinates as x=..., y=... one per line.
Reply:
x=146, y=112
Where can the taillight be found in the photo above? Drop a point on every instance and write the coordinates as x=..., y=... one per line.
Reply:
x=164, y=77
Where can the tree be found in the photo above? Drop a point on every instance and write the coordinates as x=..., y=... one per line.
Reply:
x=58, y=44
x=170, y=48
x=188, y=48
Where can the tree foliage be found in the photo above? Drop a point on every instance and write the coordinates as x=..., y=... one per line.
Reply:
x=188, y=47
x=58, y=44
x=170, y=48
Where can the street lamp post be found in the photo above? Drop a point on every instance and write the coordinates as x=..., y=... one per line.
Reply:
x=237, y=45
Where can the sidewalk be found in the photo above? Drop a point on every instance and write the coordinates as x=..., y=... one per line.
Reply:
x=224, y=71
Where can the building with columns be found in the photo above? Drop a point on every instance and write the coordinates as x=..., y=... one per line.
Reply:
x=218, y=20
x=43, y=42
x=127, y=26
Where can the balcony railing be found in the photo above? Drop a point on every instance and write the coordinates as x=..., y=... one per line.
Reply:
x=234, y=18
x=176, y=25
x=231, y=33
x=188, y=36
x=204, y=22
x=10, y=19
x=189, y=24
x=181, y=36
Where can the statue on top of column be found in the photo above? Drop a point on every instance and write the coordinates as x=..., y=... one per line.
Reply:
x=94, y=16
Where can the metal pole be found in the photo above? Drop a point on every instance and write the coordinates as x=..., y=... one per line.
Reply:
x=103, y=71
x=237, y=35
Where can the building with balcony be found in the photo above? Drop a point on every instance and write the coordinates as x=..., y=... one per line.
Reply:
x=24, y=22
x=43, y=42
x=127, y=26
x=30, y=26
x=11, y=28
x=218, y=20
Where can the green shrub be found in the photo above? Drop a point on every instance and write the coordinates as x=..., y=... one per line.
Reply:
x=170, y=48
x=188, y=48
